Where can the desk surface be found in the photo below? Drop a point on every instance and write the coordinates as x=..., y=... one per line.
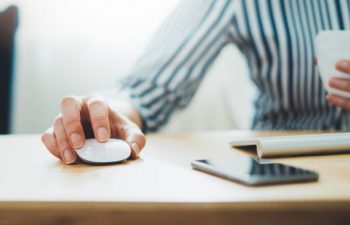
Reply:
x=162, y=187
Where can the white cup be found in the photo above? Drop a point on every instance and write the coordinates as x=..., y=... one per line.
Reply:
x=332, y=46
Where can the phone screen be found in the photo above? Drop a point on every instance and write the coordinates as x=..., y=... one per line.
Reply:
x=250, y=171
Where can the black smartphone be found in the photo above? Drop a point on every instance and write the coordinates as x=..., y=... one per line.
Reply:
x=251, y=171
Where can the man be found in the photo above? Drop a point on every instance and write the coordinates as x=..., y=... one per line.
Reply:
x=277, y=38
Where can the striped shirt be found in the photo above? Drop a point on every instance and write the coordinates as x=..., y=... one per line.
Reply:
x=275, y=36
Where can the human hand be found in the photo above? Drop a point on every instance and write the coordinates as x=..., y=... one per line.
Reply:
x=341, y=84
x=88, y=117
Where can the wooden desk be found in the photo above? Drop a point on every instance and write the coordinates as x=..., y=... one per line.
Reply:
x=161, y=187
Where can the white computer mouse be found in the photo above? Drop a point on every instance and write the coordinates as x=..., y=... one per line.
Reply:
x=112, y=151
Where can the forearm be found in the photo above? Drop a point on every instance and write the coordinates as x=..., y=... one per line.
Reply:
x=169, y=71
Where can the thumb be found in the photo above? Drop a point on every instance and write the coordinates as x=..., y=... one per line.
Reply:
x=133, y=135
x=136, y=142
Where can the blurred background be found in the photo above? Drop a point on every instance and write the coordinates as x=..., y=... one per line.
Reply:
x=77, y=46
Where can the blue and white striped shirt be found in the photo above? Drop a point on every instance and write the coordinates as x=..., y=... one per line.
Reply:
x=277, y=39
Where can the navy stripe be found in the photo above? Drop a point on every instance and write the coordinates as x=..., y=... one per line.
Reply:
x=348, y=7
x=210, y=61
x=321, y=91
x=330, y=27
x=313, y=76
x=154, y=101
x=321, y=16
x=311, y=92
x=339, y=15
x=328, y=14
x=204, y=53
x=181, y=47
x=171, y=27
x=137, y=83
x=147, y=91
x=306, y=119
x=290, y=58
x=255, y=60
x=201, y=41
x=304, y=81
x=278, y=60
x=298, y=63
x=267, y=81
x=242, y=44
x=290, y=93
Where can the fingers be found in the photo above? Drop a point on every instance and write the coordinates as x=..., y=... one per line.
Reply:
x=133, y=135
x=99, y=117
x=343, y=66
x=67, y=154
x=49, y=140
x=82, y=117
x=340, y=83
x=339, y=102
x=70, y=109
x=137, y=143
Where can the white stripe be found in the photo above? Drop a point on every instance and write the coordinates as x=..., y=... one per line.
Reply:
x=244, y=33
x=315, y=96
x=302, y=52
x=179, y=77
x=234, y=34
x=307, y=93
x=218, y=46
x=324, y=15
x=170, y=36
x=155, y=93
x=282, y=43
x=189, y=46
x=290, y=123
x=141, y=88
x=322, y=91
x=293, y=36
x=310, y=94
x=150, y=111
x=327, y=26
x=333, y=14
x=174, y=35
x=344, y=7
x=254, y=26
x=269, y=36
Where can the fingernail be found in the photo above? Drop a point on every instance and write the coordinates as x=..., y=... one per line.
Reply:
x=334, y=82
x=136, y=148
x=342, y=64
x=102, y=134
x=69, y=156
x=329, y=98
x=77, y=140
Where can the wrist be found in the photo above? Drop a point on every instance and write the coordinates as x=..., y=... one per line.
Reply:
x=125, y=107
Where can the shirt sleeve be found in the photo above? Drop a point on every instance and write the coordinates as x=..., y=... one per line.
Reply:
x=169, y=71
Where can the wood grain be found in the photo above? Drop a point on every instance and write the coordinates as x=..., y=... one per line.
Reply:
x=244, y=213
x=161, y=187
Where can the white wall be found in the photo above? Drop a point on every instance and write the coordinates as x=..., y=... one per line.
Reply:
x=76, y=46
